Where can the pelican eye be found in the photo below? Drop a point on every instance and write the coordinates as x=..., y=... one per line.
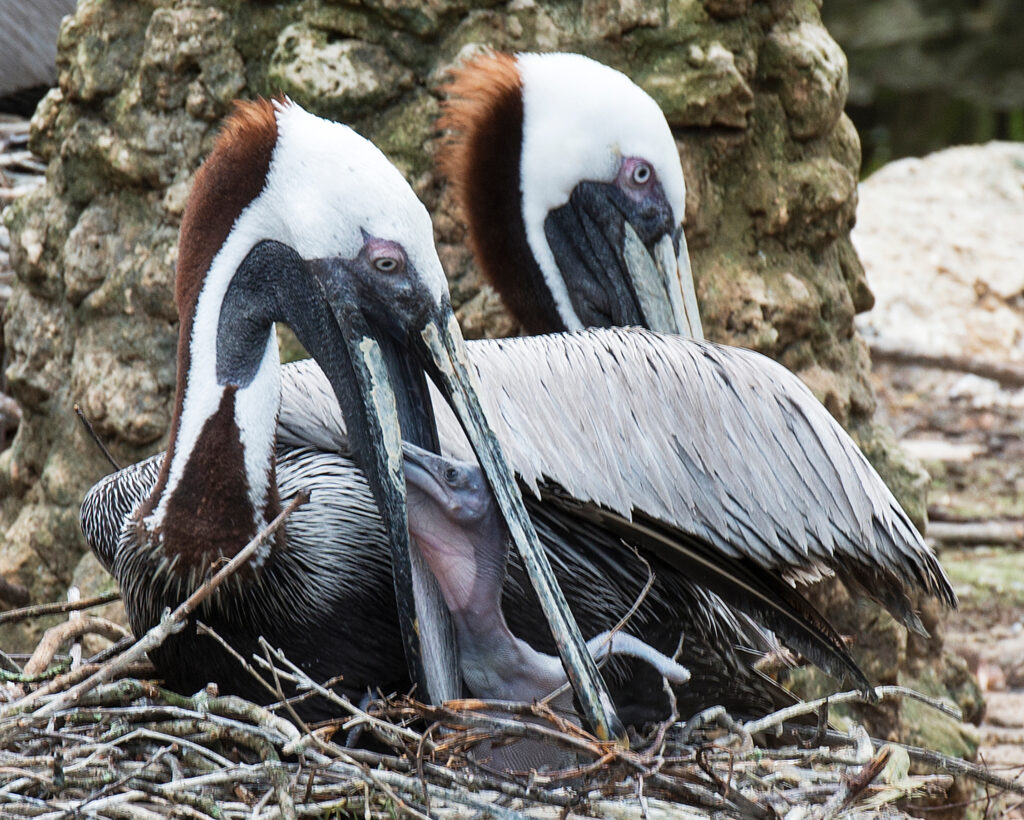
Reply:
x=386, y=264
x=641, y=173
x=383, y=255
x=451, y=475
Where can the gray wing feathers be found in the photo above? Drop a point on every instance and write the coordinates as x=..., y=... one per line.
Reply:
x=341, y=515
x=110, y=502
x=309, y=415
x=720, y=442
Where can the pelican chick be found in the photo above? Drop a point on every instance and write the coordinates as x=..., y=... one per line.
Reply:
x=455, y=523
x=458, y=528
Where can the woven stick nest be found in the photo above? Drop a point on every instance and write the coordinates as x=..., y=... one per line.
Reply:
x=97, y=739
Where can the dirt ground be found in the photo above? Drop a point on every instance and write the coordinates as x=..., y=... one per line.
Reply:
x=975, y=455
x=941, y=240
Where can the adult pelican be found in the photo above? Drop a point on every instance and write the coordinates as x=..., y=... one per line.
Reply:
x=716, y=459
x=297, y=219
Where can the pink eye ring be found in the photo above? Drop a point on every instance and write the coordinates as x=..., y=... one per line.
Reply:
x=385, y=256
x=636, y=175
x=641, y=173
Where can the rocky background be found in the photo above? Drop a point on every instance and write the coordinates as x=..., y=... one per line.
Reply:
x=754, y=90
x=941, y=241
x=927, y=74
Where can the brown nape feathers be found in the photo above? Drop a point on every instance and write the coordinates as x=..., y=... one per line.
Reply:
x=230, y=178
x=475, y=95
x=481, y=111
x=481, y=159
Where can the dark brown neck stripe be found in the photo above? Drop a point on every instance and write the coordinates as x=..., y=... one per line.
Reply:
x=209, y=512
x=231, y=177
x=483, y=115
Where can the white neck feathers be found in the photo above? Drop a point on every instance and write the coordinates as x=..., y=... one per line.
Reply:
x=257, y=404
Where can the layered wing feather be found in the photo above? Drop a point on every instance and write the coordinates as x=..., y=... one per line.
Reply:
x=667, y=435
x=720, y=443
x=109, y=503
x=337, y=553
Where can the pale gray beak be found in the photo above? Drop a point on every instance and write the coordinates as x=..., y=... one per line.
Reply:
x=442, y=341
x=663, y=284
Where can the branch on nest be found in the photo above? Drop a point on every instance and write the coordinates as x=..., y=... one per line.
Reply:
x=809, y=707
x=55, y=609
x=57, y=636
x=171, y=622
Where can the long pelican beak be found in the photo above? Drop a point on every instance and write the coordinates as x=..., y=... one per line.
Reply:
x=364, y=371
x=388, y=346
x=449, y=365
x=623, y=261
x=663, y=283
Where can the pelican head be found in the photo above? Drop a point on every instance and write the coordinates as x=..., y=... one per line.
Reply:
x=458, y=529
x=570, y=181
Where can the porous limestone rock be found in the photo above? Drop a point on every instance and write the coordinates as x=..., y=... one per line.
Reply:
x=810, y=69
x=755, y=90
x=341, y=78
x=699, y=86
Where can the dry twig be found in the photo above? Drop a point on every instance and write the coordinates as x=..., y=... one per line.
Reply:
x=95, y=437
x=171, y=622
x=128, y=748
x=57, y=636
x=977, y=533
x=1007, y=374
x=810, y=707
x=39, y=610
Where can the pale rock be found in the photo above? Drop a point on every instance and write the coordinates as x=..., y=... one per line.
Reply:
x=336, y=76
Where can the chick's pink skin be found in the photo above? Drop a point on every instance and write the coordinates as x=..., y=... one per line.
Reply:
x=456, y=524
